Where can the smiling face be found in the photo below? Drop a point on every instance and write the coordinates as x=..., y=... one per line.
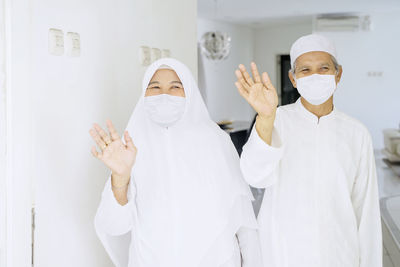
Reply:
x=315, y=62
x=165, y=81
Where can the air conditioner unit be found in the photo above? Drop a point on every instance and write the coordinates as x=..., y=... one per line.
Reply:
x=341, y=23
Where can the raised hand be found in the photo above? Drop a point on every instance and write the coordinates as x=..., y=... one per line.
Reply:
x=116, y=155
x=258, y=91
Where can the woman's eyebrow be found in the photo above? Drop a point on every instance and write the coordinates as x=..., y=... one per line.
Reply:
x=176, y=82
x=153, y=82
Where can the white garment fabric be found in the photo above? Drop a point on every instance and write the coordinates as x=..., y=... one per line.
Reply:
x=310, y=43
x=320, y=205
x=187, y=199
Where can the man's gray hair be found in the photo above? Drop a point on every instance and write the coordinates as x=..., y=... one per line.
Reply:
x=335, y=63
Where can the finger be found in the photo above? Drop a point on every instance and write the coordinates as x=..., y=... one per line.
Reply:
x=241, y=80
x=246, y=75
x=255, y=73
x=245, y=85
x=96, y=153
x=239, y=74
x=267, y=81
x=97, y=139
x=129, y=141
x=242, y=91
x=240, y=77
x=106, y=138
x=240, y=86
x=113, y=132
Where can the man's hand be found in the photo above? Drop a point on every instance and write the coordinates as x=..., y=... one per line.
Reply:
x=261, y=95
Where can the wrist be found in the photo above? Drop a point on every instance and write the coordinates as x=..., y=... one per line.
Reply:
x=119, y=181
x=264, y=127
x=122, y=187
x=265, y=123
x=267, y=118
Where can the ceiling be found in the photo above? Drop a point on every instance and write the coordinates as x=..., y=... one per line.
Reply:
x=260, y=12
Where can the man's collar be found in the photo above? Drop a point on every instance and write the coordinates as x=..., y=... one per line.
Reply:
x=312, y=117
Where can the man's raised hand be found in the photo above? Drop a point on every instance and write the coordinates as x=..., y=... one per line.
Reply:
x=258, y=91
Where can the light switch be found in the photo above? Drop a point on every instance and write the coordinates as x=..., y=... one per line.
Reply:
x=56, y=42
x=155, y=54
x=73, y=44
x=374, y=73
x=166, y=53
x=144, y=55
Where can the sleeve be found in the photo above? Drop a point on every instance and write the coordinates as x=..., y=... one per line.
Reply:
x=259, y=161
x=250, y=248
x=366, y=206
x=112, y=218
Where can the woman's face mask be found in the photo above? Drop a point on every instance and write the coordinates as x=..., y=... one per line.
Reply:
x=164, y=99
x=316, y=88
x=165, y=109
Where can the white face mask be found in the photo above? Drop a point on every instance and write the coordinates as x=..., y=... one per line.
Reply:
x=164, y=109
x=316, y=88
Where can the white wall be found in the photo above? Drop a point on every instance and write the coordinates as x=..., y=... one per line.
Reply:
x=373, y=100
x=56, y=100
x=216, y=79
x=274, y=40
x=3, y=173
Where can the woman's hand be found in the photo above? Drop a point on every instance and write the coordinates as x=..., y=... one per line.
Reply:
x=258, y=91
x=116, y=155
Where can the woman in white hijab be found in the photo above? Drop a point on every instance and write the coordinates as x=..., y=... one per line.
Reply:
x=178, y=199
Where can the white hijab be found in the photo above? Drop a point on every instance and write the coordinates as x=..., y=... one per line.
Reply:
x=186, y=184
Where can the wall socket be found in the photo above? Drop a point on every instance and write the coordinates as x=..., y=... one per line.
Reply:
x=73, y=44
x=56, y=42
x=148, y=55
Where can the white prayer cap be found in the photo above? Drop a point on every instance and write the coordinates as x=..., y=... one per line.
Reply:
x=310, y=43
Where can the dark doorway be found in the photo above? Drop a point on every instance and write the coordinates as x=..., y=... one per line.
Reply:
x=289, y=94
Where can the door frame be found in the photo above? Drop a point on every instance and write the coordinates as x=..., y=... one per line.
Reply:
x=6, y=190
x=15, y=169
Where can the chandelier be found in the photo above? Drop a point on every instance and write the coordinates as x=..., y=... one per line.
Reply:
x=215, y=45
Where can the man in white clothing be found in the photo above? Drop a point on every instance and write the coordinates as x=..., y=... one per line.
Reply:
x=321, y=206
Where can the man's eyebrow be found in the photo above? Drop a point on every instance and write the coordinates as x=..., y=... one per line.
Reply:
x=153, y=82
x=176, y=82
x=302, y=66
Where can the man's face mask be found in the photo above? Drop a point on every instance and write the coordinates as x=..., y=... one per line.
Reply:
x=165, y=109
x=316, y=88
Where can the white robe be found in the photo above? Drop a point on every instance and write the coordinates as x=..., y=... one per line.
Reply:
x=187, y=200
x=320, y=206
x=116, y=228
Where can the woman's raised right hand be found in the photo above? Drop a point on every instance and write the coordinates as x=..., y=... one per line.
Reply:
x=116, y=155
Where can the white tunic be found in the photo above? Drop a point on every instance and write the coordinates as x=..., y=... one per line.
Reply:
x=321, y=205
x=117, y=220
